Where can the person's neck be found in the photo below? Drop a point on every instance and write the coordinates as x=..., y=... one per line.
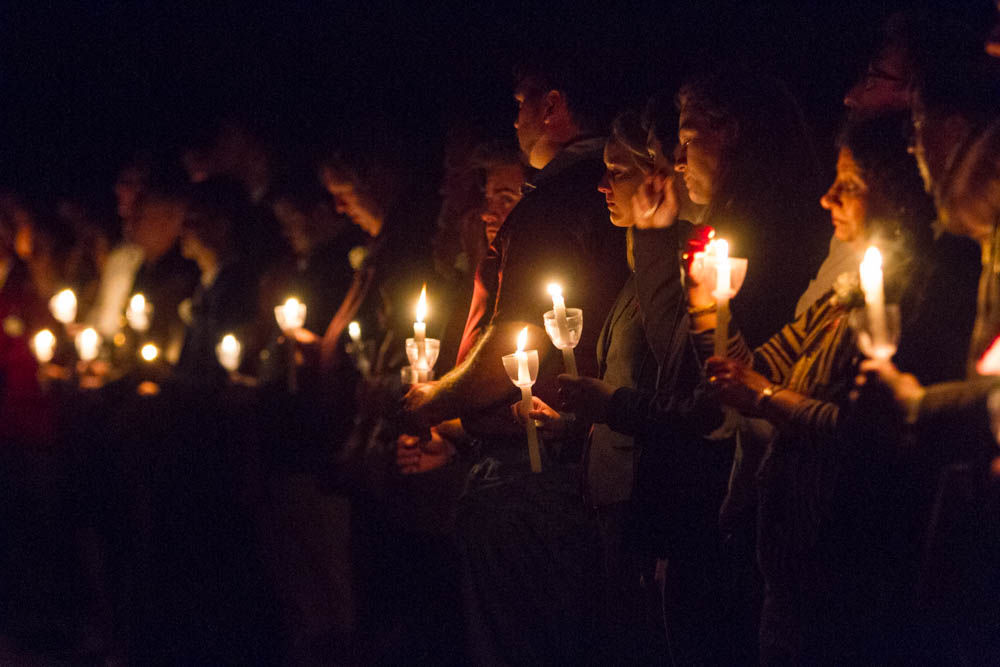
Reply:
x=550, y=144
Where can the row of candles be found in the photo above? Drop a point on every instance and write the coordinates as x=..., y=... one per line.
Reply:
x=563, y=325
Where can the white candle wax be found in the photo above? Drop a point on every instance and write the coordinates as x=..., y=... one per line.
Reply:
x=420, y=336
x=723, y=287
x=559, y=309
x=873, y=287
x=534, y=451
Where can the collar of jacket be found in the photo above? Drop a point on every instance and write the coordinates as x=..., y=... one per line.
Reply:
x=581, y=148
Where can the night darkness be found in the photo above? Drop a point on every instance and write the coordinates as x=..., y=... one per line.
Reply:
x=88, y=84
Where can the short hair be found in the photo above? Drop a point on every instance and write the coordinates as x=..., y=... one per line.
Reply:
x=975, y=187
x=496, y=153
x=369, y=170
x=588, y=88
x=879, y=146
x=216, y=207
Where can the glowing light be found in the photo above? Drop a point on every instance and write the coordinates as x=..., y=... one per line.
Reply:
x=354, y=331
x=522, y=339
x=149, y=352
x=422, y=304
x=88, y=343
x=44, y=345
x=228, y=352
x=63, y=306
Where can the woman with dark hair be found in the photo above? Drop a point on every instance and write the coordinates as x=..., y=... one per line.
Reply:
x=745, y=154
x=821, y=482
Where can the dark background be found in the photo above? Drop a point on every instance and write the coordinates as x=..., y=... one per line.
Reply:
x=83, y=86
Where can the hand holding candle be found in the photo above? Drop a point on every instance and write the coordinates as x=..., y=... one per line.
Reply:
x=880, y=324
x=564, y=326
x=420, y=350
x=522, y=369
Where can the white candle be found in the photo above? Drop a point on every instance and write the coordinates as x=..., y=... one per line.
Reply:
x=354, y=331
x=88, y=343
x=44, y=345
x=137, y=313
x=420, y=335
x=559, y=308
x=63, y=306
x=524, y=382
x=723, y=289
x=228, y=352
x=873, y=287
x=149, y=352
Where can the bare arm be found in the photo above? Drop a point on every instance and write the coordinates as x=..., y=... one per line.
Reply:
x=478, y=382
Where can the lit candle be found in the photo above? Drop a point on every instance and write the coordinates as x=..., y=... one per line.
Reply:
x=873, y=287
x=559, y=308
x=358, y=348
x=723, y=292
x=88, y=343
x=524, y=382
x=44, y=345
x=63, y=306
x=149, y=352
x=137, y=313
x=291, y=315
x=228, y=352
x=420, y=335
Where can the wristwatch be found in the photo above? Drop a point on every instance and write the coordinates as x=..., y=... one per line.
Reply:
x=765, y=397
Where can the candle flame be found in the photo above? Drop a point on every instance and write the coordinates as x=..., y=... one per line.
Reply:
x=555, y=289
x=137, y=303
x=63, y=306
x=872, y=260
x=522, y=339
x=149, y=352
x=292, y=304
x=354, y=330
x=230, y=344
x=422, y=304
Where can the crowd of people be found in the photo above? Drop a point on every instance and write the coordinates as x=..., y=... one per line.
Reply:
x=221, y=445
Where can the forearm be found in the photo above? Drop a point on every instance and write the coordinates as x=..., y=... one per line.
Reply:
x=791, y=410
x=480, y=381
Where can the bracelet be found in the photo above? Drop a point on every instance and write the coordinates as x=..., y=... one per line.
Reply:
x=764, y=399
x=702, y=310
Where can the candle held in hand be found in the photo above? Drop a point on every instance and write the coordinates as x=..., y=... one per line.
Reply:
x=420, y=331
x=562, y=323
x=723, y=292
x=873, y=286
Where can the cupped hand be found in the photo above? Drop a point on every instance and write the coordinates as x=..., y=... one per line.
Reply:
x=418, y=407
x=736, y=385
x=585, y=396
x=415, y=454
x=906, y=389
x=549, y=421
x=655, y=204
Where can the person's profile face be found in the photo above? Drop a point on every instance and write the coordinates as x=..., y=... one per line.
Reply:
x=848, y=200
x=529, y=123
x=347, y=200
x=502, y=193
x=622, y=178
x=699, y=156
